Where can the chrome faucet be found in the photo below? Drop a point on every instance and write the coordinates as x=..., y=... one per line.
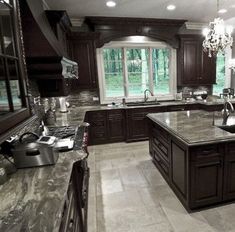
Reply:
x=145, y=94
x=226, y=112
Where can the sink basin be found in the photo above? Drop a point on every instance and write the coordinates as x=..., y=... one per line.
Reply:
x=228, y=128
x=148, y=103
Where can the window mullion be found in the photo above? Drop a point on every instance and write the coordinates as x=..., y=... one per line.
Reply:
x=125, y=73
x=151, y=71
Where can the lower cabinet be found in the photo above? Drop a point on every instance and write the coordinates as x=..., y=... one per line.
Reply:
x=116, y=129
x=129, y=124
x=229, y=175
x=98, y=127
x=106, y=126
x=137, y=123
x=200, y=175
x=206, y=171
x=74, y=215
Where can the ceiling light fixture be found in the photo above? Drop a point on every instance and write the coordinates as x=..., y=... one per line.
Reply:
x=171, y=7
x=222, y=11
x=111, y=4
x=217, y=36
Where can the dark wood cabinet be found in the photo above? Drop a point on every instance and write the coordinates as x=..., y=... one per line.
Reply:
x=206, y=175
x=194, y=66
x=74, y=215
x=229, y=175
x=106, y=126
x=98, y=127
x=136, y=122
x=83, y=51
x=116, y=125
x=199, y=175
x=130, y=124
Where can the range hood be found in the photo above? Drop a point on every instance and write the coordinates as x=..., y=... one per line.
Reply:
x=45, y=50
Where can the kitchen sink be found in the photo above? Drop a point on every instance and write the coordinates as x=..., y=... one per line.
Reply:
x=148, y=103
x=228, y=128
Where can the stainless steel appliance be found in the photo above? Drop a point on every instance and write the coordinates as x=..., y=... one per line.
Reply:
x=35, y=153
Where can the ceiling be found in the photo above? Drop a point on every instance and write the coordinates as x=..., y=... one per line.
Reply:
x=195, y=11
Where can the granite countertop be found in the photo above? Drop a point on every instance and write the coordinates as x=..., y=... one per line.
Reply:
x=33, y=198
x=193, y=127
x=76, y=115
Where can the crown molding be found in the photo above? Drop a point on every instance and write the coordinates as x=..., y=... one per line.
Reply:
x=195, y=25
x=77, y=22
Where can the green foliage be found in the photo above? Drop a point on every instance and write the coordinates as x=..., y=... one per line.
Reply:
x=138, y=70
x=220, y=74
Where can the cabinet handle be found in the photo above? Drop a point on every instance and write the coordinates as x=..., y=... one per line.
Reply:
x=218, y=163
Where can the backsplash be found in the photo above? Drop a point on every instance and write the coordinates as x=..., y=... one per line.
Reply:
x=83, y=98
x=208, y=89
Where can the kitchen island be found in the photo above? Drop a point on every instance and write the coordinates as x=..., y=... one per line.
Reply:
x=195, y=157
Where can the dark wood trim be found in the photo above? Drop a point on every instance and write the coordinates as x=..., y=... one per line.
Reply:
x=92, y=20
x=111, y=28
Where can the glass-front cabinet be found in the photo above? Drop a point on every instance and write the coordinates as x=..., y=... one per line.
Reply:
x=13, y=104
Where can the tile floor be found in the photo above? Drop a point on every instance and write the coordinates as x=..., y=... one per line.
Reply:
x=128, y=194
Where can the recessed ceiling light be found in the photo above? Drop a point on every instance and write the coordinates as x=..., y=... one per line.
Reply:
x=171, y=7
x=110, y=4
x=222, y=11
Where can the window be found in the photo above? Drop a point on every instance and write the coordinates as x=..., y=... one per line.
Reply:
x=223, y=73
x=127, y=69
x=12, y=97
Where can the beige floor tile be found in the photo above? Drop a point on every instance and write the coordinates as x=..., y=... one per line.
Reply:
x=128, y=194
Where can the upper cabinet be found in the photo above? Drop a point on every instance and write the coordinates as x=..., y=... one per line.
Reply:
x=83, y=51
x=13, y=103
x=194, y=65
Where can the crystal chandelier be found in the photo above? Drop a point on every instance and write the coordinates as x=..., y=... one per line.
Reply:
x=217, y=36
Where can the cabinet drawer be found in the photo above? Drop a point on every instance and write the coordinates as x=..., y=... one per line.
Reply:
x=164, y=166
x=98, y=123
x=161, y=148
x=97, y=116
x=161, y=135
x=206, y=152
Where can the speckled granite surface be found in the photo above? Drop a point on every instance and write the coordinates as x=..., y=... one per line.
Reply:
x=33, y=198
x=193, y=127
x=76, y=115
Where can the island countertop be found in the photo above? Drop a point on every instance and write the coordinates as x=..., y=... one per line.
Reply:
x=33, y=198
x=192, y=127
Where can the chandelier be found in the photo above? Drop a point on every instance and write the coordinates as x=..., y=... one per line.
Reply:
x=217, y=36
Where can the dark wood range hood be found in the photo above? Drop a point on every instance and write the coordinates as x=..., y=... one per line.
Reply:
x=45, y=44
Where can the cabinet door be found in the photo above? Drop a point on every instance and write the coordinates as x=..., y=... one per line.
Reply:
x=83, y=53
x=137, y=128
x=229, y=175
x=208, y=72
x=116, y=125
x=206, y=177
x=98, y=127
x=194, y=65
x=189, y=62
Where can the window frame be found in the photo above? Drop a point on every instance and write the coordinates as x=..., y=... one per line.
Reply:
x=14, y=117
x=228, y=79
x=125, y=45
